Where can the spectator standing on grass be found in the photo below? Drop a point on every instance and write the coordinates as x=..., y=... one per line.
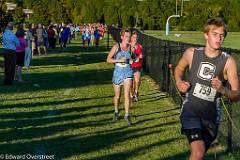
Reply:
x=97, y=36
x=20, y=53
x=28, y=50
x=51, y=37
x=92, y=35
x=10, y=42
x=45, y=37
x=87, y=35
x=40, y=40
x=57, y=29
x=65, y=35
x=120, y=56
x=34, y=40
x=210, y=69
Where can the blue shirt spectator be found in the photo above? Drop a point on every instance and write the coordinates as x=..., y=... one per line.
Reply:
x=66, y=33
x=97, y=34
x=10, y=41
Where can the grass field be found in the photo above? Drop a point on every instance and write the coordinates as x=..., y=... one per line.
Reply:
x=65, y=109
x=195, y=37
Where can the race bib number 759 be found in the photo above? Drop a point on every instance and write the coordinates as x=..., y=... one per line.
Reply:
x=204, y=92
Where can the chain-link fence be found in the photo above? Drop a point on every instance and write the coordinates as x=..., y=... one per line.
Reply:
x=160, y=60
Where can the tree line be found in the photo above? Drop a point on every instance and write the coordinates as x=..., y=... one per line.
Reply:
x=145, y=14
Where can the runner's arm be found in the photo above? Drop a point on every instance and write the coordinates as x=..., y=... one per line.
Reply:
x=183, y=64
x=141, y=54
x=110, y=57
x=232, y=75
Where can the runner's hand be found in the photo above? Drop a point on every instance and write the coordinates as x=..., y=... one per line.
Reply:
x=130, y=61
x=183, y=86
x=217, y=84
x=122, y=60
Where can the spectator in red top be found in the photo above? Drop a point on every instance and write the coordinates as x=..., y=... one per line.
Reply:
x=136, y=66
x=51, y=37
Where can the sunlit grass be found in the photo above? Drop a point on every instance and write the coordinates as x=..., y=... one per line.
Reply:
x=65, y=109
x=196, y=37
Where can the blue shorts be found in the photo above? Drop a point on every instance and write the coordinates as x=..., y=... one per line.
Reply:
x=197, y=115
x=199, y=134
x=121, y=73
x=194, y=123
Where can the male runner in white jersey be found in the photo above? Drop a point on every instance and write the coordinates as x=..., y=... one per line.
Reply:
x=209, y=70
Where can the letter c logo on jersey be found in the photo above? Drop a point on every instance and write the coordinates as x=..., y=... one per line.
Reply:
x=206, y=71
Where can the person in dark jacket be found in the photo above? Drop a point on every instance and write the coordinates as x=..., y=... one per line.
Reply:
x=10, y=43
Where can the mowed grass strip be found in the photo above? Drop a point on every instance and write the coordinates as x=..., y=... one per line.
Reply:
x=65, y=109
x=195, y=37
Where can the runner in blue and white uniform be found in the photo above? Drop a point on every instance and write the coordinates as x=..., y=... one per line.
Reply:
x=120, y=56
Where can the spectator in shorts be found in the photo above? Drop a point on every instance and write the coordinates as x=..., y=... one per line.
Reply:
x=34, y=40
x=40, y=39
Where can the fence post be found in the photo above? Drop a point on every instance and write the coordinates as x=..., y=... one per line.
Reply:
x=164, y=82
x=168, y=69
x=108, y=38
x=147, y=55
x=230, y=129
x=118, y=36
x=229, y=138
x=142, y=41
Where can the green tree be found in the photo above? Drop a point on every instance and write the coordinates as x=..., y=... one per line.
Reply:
x=3, y=19
x=18, y=15
x=149, y=14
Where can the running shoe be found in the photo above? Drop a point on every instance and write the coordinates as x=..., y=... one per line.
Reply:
x=115, y=116
x=127, y=118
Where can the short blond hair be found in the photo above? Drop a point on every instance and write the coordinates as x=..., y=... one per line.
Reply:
x=124, y=30
x=215, y=22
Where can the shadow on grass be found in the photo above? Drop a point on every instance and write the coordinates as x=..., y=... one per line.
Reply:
x=52, y=103
x=132, y=153
x=153, y=93
x=223, y=139
x=76, y=47
x=157, y=112
x=73, y=58
x=209, y=156
x=21, y=120
x=37, y=132
x=55, y=80
x=153, y=98
x=81, y=143
x=60, y=80
x=18, y=133
x=26, y=98
x=156, y=118
x=66, y=132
